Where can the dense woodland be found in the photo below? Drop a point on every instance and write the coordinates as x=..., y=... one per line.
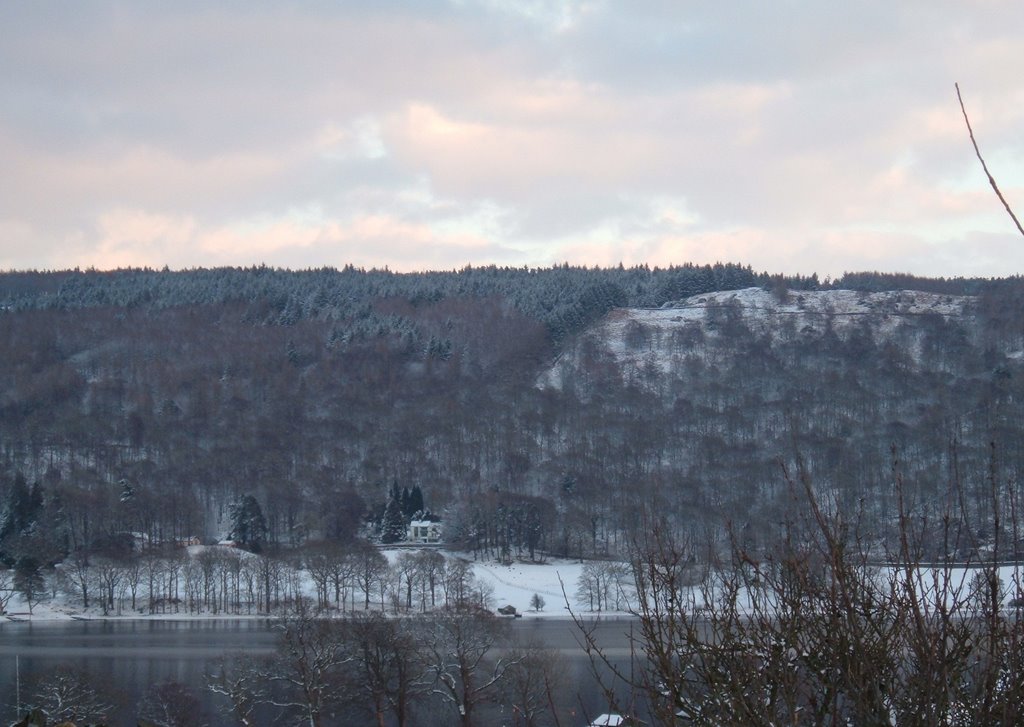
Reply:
x=158, y=403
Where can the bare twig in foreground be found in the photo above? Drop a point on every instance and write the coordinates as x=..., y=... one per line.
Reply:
x=991, y=180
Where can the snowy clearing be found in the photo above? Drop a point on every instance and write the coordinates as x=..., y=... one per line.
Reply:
x=512, y=584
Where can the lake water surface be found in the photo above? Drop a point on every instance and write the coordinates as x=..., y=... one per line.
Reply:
x=133, y=655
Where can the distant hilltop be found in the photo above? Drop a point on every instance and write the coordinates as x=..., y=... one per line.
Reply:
x=665, y=336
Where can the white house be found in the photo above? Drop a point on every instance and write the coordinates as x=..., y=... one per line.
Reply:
x=424, y=531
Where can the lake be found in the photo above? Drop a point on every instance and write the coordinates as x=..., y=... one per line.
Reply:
x=132, y=655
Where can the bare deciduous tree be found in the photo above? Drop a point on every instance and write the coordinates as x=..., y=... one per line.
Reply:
x=455, y=650
x=171, y=704
x=534, y=684
x=242, y=680
x=369, y=567
x=312, y=667
x=812, y=630
x=6, y=588
x=389, y=670
x=68, y=695
x=431, y=569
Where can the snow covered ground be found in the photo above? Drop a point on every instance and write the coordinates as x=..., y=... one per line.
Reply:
x=516, y=583
x=508, y=585
x=513, y=585
x=638, y=337
x=762, y=309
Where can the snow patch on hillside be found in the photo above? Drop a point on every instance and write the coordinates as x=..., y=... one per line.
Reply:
x=643, y=338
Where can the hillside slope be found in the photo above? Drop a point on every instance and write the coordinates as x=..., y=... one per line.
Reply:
x=639, y=338
x=726, y=392
x=318, y=392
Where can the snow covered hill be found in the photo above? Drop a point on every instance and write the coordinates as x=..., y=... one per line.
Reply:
x=651, y=340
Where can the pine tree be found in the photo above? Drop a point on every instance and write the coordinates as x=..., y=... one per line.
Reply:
x=404, y=502
x=414, y=503
x=35, y=504
x=21, y=509
x=392, y=525
x=248, y=526
x=28, y=580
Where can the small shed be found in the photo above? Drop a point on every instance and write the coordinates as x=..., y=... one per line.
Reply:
x=424, y=531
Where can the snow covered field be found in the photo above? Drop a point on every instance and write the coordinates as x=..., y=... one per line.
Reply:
x=513, y=585
x=506, y=585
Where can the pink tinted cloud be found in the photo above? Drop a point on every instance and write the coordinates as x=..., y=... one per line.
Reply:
x=50, y=184
x=132, y=237
x=472, y=158
x=194, y=133
x=828, y=252
x=560, y=131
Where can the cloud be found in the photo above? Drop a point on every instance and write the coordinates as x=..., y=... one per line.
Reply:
x=791, y=137
x=133, y=237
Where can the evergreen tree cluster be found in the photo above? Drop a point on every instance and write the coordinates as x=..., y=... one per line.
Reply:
x=403, y=506
x=564, y=299
x=876, y=282
x=21, y=509
x=248, y=526
x=30, y=537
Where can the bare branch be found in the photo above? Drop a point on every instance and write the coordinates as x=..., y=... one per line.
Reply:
x=984, y=166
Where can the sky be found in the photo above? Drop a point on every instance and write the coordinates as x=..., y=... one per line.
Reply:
x=794, y=137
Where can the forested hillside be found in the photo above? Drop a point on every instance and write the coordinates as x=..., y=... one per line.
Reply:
x=153, y=402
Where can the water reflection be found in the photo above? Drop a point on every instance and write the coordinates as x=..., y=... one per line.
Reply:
x=131, y=656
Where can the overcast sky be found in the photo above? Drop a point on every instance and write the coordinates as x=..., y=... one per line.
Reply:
x=791, y=136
